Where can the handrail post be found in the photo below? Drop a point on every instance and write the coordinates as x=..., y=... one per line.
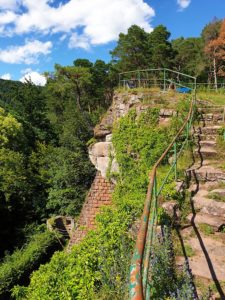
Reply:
x=175, y=160
x=139, y=79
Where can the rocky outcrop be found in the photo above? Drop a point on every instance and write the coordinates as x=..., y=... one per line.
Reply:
x=102, y=154
x=122, y=103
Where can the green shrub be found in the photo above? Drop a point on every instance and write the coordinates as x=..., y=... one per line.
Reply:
x=23, y=261
x=101, y=260
x=165, y=281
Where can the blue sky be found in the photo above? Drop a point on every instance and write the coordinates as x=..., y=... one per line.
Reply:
x=34, y=35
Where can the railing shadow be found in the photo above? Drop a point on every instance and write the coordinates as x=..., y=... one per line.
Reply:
x=186, y=261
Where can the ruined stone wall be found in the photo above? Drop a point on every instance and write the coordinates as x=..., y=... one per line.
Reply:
x=99, y=195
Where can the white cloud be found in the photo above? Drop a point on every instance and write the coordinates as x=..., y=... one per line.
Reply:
x=79, y=41
x=7, y=17
x=6, y=76
x=63, y=37
x=25, y=71
x=97, y=21
x=27, y=54
x=35, y=77
x=9, y=4
x=183, y=3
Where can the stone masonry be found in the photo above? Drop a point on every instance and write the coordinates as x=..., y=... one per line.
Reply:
x=99, y=195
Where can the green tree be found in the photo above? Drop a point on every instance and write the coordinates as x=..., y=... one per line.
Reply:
x=78, y=79
x=60, y=178
x=131, y=52
x=189, y=56
x=161, y=51
x=82, y=62
x=10, y=129
x=211, y=30
x=29, y=106
x=69, y=179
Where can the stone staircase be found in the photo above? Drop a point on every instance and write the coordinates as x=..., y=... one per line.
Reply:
x=205, y=233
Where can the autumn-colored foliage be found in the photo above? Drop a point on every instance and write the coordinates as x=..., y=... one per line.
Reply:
x=215, y=49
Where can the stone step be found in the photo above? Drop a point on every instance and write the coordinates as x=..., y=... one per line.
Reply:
x=219, y=192
x=206, y=152
x=211, y=118
x=209, y=129
x=203, y=123
x=211, y=109
x=206, y=173
x=199, y=263
x=209, y=206
x=208, y=143
x=216, y=222
x=205, y=137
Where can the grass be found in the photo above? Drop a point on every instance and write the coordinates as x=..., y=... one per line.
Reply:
x=220, y=147
x=185, y=161
x=217, y=98
x=216, y=197
x=219, y=185
x=178, y=251
x=188, y=249
x=206, y=229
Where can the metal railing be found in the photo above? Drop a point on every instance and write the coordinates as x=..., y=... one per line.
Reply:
x=162, y=77
x=210, y=86
x=139, y=289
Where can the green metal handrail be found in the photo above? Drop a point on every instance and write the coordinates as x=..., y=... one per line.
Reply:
x=139, y=288
x=166, y=76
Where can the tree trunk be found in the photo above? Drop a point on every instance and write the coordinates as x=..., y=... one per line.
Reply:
x=215, y=73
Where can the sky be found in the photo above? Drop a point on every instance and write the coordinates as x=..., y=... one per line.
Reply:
x=34, y=35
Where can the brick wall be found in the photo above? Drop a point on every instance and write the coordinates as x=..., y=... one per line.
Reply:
x=99, y=195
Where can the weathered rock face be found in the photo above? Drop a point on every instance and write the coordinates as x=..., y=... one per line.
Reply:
x=102, y=154
x=122, y=103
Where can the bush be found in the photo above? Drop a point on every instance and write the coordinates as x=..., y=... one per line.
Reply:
x=164, y=279
x=100, y=261
x=23, y=261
